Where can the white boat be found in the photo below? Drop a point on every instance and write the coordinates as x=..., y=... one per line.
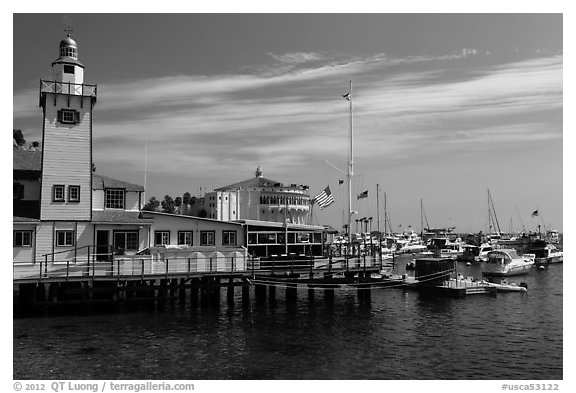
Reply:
x=410, y=248
x=485, y=248
x=507, y=262
x=451, y=250
x=473, y=253
x=443, y=247
x=505, y=286
x=547, y=254
x=552, y=236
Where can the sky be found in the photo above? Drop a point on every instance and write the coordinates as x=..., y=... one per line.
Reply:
x=445, y=107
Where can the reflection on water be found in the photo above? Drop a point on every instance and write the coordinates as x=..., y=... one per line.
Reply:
x=397, y=334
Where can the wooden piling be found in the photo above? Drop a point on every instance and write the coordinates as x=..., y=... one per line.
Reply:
x=291, y=292
x=245, y=295
x=260, y=293
x=230, y=290
x=194, y=291
x=272, y=293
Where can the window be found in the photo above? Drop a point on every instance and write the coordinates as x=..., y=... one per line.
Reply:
x=114, y=198
x=68, y=69
x=228, y=238
x=73, y=193
x=185, y=238
x=67, y=52
x=161, y=238
x=68, y=116
x=18, y=191
x=58, y=193
x=22, y=239
x=207, y=238
x=64, y=238
x=126, y=240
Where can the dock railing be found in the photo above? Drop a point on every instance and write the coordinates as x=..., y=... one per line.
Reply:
x=109, y=265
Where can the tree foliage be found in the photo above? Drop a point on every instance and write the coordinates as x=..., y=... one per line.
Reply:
x=152, y=205
x=18, y=137
x=168, y=205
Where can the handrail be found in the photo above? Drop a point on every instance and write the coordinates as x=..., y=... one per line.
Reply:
x=148, y=266
x=68, y=250
x=84, y=89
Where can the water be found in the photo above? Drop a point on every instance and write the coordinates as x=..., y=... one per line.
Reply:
x=398, y=334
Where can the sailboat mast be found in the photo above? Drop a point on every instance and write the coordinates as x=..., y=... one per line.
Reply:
x=494, y=212
x=378, y=206
x=350, y=171
x=385, y=217
x=421, y=218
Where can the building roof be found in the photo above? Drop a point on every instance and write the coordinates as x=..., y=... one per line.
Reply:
x=259, y=182
x=145, y=213
x=24, y=220
x=100, y=182
x=119, y=217
x=26, y=160
x=255, y=182
x=274, y=224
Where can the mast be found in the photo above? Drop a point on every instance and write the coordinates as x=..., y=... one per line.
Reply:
x=145, y=168
x=494, y=212
x=378, y=206
x=378, y=222
x=421, y=219
x=385, y=219
x=350, y=169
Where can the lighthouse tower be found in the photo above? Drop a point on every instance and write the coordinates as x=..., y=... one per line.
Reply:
x=67, y=104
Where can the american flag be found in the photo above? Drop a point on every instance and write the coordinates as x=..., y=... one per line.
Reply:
x=324, y=199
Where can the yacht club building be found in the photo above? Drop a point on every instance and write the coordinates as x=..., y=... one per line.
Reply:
x=63, y=212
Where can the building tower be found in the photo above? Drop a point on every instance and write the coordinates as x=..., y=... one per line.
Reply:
x=67, y=104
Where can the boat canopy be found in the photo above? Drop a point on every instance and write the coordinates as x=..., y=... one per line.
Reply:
x=507, y=254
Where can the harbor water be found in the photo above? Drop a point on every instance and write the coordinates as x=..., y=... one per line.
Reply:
x=395, y=334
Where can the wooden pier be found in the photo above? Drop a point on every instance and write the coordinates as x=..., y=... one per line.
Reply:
x=176, y=280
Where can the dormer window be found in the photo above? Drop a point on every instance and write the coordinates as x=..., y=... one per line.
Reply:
x=115, y=198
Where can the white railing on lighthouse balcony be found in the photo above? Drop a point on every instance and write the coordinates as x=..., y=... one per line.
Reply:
x=80, y=89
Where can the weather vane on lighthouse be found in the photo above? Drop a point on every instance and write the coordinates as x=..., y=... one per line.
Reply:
x=68, y=30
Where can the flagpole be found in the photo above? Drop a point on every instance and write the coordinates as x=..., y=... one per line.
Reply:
x=350, y=173
x=145, y=169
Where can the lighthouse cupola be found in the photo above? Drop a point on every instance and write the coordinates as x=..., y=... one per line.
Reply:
x=67, y=68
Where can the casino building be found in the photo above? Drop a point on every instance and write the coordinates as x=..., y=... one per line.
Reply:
x=260, y=199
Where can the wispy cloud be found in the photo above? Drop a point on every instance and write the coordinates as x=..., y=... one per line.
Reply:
x=294, y=115
x=297, y=57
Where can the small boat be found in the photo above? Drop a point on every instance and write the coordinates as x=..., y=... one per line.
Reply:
x=507, y=262
x=474, y=253
x=546, y=253
x=552, y=236
x=505, y=286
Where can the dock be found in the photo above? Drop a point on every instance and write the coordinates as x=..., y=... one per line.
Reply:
x=131, y=280
x=454, y=288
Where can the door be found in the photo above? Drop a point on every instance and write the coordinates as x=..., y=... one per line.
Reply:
x=103, y=249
